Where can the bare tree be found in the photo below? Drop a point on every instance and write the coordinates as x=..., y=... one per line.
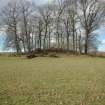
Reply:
x=53, y=25
x=57, y=11
x=10, y=15
x=45, y=12
x=90, y=15
x=70, y=22
x=26, y=13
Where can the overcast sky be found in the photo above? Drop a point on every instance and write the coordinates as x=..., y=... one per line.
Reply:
x=3, y=2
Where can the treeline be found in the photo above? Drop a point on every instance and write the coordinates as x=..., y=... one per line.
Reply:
x=63, y=24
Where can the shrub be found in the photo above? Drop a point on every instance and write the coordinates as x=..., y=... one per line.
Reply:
x=53, y=55
x=38, y=50
x=31, y=55
x=42, y=55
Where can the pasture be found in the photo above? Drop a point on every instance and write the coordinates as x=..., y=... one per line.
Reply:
x=67, y=80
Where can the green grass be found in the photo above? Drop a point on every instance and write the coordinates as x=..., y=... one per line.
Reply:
x=68, y=80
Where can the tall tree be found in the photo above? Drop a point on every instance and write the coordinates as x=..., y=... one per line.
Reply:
x=90, y=15
x=45, y=12
x=10, y=15
x=26, y=13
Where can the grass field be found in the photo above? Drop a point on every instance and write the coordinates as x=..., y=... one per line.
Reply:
x=68, y=80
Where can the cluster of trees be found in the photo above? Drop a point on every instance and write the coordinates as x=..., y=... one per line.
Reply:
x=63, y=24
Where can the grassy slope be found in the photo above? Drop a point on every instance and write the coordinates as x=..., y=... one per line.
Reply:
x=52, y=81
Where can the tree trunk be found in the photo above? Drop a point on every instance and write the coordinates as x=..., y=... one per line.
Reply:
x=18, y=50
x=86, y=43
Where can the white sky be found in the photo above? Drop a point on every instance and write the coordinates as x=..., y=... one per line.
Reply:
x=3, y=2
x=41, y=1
